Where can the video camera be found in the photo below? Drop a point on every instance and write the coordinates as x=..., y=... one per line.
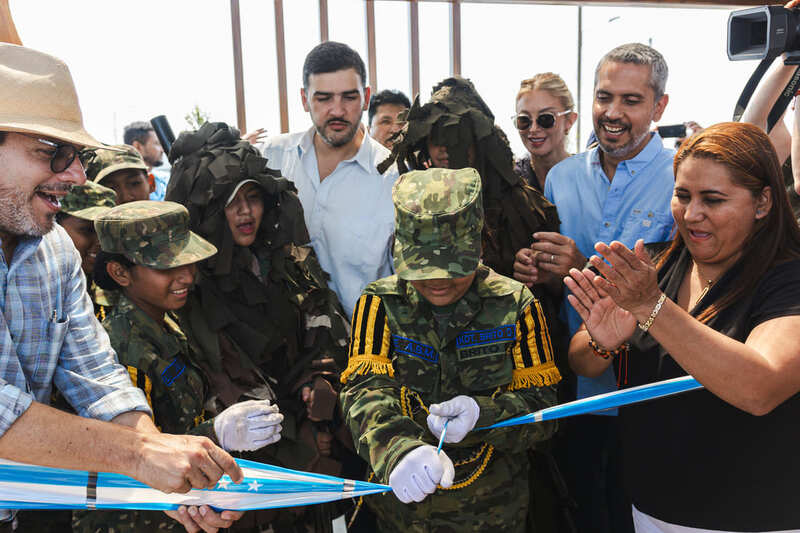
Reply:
x=766, y=31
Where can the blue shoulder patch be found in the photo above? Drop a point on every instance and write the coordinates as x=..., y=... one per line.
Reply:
x=414, y=349
x=172, y=372
x=504, y=333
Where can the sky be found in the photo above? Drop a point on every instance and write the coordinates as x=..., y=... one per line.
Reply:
x=135, y=60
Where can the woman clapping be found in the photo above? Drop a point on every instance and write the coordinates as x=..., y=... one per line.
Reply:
x=722, y=304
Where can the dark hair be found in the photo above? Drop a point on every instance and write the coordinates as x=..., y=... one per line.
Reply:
x=136, y=131
x=747, y=153
x=331, y=56
x=386, y=96
x=101, y=276
x=61, y=215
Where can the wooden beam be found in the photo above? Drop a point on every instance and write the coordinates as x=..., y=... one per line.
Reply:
x=8, y=31
x=372, y=58
x=238, y=68
x=323, y=20
x=280, y=50
x=455, y=37
x=413, y=15
x=612, y=3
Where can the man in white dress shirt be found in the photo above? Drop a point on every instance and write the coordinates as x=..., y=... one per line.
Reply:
x=347, y=203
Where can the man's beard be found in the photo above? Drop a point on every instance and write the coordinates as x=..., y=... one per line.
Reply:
x=16, y=214
x=620, y=152
x=153, y=162
x=344, y=136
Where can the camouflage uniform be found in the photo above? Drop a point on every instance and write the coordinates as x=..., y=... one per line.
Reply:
x=157, y=356
x=492, y=345
x=103, y=163
x=90, y=201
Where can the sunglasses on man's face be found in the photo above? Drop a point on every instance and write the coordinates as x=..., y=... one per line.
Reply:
x=546, y=120
x=62, y=155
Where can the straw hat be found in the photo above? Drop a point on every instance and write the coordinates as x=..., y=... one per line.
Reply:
x=37, y=95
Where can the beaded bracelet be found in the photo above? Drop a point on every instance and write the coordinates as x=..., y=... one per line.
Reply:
x=653, y=313
x=605, y=354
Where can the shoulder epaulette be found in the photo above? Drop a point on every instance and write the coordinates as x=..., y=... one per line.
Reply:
x=370, y=341
x=533, y=352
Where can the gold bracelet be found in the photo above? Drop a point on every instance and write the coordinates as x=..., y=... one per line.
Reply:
x=654, y=313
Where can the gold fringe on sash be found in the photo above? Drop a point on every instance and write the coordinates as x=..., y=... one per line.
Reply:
x=361, y=365
x=535, y=376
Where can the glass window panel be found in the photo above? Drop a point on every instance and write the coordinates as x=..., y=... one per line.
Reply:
x=392, y=38
x=301, y=28
x=125, y=63
x=703, y=85
x=434, y=45
x=260, y=65
x=347, y=23
x=503, y=44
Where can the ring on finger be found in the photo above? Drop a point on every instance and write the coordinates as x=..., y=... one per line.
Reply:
x=552, y=258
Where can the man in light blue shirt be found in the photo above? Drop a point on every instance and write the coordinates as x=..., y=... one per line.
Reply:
x=347, y=204
x=619, y=190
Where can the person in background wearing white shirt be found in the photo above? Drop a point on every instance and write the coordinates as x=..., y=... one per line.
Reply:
x=347, y=204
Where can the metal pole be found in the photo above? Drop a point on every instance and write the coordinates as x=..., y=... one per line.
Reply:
x=455, y=37
x=280, y=50
x=238, y=69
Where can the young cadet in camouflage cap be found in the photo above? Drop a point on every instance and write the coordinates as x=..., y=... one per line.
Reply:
x=150, y=255
x=79, y=209
x=122, y=170
x=446, y=338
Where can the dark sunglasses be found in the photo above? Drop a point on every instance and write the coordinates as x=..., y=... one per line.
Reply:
x=63, y=155
x=545, y=120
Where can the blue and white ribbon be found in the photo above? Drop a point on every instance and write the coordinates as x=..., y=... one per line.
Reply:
x=24, y=486
x=601, y=402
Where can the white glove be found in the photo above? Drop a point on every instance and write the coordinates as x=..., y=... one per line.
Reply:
x=461, y=411
x=418, y=473
x=248, y=426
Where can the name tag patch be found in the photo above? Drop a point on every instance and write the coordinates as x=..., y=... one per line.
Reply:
x=415, y=349
x=479, y=343
x=487, y=336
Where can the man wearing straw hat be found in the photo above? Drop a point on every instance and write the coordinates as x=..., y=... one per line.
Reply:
x=48, y=332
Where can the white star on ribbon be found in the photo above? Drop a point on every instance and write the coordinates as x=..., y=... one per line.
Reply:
x=223, y=483
x=254, y=485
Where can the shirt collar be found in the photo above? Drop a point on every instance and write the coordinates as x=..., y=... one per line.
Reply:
x=363, y=157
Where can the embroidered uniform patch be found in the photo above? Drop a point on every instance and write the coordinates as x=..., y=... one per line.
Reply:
x=472, y=344
x=415, y=349
x=172, y=372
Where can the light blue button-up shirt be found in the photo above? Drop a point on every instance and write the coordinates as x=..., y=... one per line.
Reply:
x=49, y=334
x=634, y=205
x=349, y=214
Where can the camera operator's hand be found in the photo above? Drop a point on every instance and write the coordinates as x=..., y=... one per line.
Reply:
x=793, y=4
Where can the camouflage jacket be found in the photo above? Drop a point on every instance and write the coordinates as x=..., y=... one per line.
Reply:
x=158, y=360
x=496, y=349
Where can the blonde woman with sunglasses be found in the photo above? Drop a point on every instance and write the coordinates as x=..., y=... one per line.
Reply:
x=544, y=117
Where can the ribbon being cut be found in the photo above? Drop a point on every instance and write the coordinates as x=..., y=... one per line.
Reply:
x=24, y=486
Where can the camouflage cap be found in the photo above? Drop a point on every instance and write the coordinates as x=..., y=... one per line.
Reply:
x=88, y=201
x=104, y=162
x=152, y=234
x=438, y=223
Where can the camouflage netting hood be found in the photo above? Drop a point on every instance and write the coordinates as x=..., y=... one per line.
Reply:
x=208, y=164
x=457, y=117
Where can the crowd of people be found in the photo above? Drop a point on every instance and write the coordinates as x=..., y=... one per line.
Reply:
x=362, y=300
